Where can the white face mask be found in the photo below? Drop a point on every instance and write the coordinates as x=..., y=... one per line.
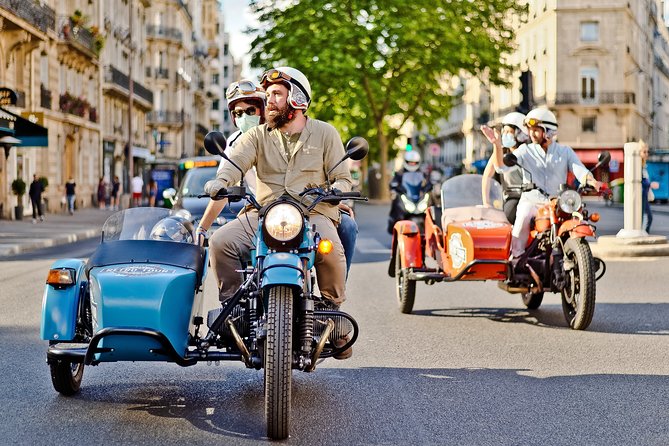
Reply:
x=247, y=122
x=508, y=141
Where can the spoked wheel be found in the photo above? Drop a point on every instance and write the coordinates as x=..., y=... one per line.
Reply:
x=578, y=297
x=406, y=288
x=533, y=300
x=278, y=362
x=66, y=376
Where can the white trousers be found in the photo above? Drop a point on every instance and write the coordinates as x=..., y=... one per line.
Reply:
x=527, y=208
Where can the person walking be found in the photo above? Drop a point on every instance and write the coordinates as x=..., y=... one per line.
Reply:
x=35, y=194
x=116, y=187
x=137, y=187
x=647, y=187
x=102, y=193
x=70, y=194
x=153, y=192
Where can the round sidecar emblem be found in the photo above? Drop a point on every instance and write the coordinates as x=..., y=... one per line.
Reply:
x=457, y=251
x=144, y=270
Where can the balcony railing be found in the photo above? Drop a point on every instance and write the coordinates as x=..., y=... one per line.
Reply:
x=164, y=32
x=44, y=97
x=165, y=117
x=602, y=97
x=162, y=73
x=115, y=76
x=80, y=37
x=35, y=13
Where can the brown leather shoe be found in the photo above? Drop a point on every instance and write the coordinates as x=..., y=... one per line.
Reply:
x=340, y=343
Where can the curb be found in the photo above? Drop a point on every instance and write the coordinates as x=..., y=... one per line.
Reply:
x=610, y=246
x=12, y=249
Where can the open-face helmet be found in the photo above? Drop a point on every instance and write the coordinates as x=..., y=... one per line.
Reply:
x=517, y=120
x=299, y=90
x=411, y=161
x=248, y=91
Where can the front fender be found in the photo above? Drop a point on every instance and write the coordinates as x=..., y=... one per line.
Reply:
x=59, y=306
x=282, y=268
x=577, y=228
x=407, y=241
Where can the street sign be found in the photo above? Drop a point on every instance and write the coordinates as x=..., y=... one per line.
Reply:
x=8, y=97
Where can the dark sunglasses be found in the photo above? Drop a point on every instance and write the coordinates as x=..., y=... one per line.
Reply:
x=249, y=111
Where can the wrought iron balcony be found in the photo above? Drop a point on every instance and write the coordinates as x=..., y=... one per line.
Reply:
x=601, y=97
x=40, y=16
x=162, y=73
x=44, y=97
x=114, y=76
x=164, y=32
x=80, y=37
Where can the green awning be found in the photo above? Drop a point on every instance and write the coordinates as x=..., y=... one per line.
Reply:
x=30, y=134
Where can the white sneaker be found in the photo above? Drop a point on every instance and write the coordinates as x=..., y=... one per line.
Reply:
x=34, y=220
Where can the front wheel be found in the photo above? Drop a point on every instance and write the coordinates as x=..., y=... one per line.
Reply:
x=66, y=376
x=278, y=362
x=406, y=288
x=578, y=296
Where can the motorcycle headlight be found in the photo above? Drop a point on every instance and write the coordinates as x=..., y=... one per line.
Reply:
x=409, y=205
x=283, y=223
x=422, y=204
x=569, y=201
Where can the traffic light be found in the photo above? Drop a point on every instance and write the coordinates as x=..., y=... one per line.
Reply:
x=526, y=92
x=409, y=146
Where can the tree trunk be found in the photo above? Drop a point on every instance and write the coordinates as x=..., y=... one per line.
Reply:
x=383, y=150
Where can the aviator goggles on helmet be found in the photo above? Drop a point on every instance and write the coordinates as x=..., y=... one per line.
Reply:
x=534, y=122
x=274, y=76
x=242, y=87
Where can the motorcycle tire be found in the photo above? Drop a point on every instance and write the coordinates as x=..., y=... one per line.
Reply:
x=533, y=301
x=66, y=377
x=578, y=297
x=278, y=362
x=406, y=289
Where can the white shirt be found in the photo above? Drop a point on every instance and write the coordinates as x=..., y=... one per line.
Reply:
x=250, y=177
x=137, y=184
x=549, y=168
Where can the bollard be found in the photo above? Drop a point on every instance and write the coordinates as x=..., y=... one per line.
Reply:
x=632, y=209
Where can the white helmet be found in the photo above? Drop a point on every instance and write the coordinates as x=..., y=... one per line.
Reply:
x=411, y=161
x=246, y=90
x=541, y=117
x=299, y=90
x=517, y=120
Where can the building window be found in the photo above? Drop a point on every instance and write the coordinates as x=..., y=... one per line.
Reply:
x=226, y=116
x=589, y=84
x=589, y=124
x=225, y=49
x=589, y=31
x=214, y=104
x=214, y=78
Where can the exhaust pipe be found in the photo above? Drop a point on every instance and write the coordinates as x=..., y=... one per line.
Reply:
x=330, y=325
x=238, y=340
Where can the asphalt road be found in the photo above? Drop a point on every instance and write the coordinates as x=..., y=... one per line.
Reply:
x=471, y=366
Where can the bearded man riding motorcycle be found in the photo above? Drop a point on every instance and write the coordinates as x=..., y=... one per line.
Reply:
x=290, y=152
x=548, y=164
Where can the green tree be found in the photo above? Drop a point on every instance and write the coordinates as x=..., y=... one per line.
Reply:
x=374, y=65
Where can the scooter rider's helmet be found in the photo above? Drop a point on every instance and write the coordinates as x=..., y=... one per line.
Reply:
x=174, y=229
x=299, y=89
x=544, y=118
x=246, y=90
x=411, y=161
x=517, y=121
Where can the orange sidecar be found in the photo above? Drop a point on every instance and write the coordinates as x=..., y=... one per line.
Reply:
x=464, y=240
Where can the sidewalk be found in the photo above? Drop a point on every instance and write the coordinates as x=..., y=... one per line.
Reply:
x=19, y=236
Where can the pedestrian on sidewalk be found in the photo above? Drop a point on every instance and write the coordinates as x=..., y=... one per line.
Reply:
x=102, y=193
x=647, y=187
x=70, y=194
x=116, y=187
x=137, y=186
x=35, y=193
x=153, y=192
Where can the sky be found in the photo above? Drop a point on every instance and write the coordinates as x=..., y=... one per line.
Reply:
x=237, y=18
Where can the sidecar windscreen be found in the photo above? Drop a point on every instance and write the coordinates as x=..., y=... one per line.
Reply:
x=466, y=190
x=133, y=224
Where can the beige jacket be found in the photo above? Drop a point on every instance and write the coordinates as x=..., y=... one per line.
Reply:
x=317, y=151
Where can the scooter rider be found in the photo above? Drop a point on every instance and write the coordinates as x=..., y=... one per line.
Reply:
x=289, y=152
x=514, y=133
x=246, y=104
x=548, y=163
x=411, y=163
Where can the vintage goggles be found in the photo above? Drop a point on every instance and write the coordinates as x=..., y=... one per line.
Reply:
x=272, y=76
x=534, y=122
x=241, y=87
x=237, y=113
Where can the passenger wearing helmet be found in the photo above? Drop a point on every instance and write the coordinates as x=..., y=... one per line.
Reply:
x=246, y=104
x=289, y=152
x=548, y=164
x=514, y=133
x=411, y=163
x=173, y=229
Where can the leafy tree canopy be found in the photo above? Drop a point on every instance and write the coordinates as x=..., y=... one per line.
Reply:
x=370, y=60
